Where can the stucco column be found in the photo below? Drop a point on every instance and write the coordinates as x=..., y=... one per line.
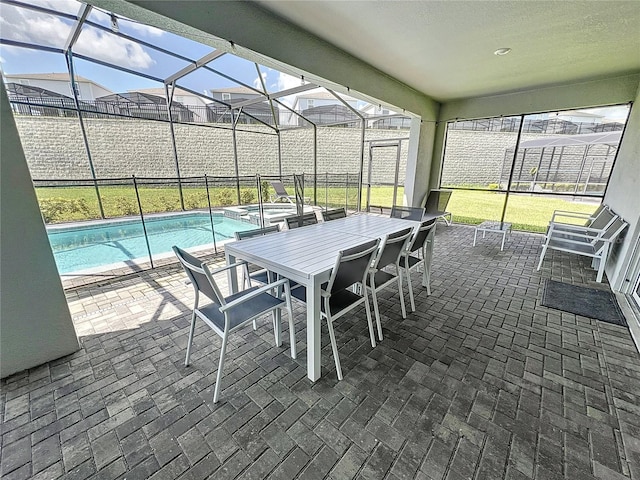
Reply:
x=35, y=323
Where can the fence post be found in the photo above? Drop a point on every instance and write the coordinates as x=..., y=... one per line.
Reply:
x=346, y=195
x=213, y=232
x=326, y=190
x=260, y=204
x=298, y=181
x=144, y=227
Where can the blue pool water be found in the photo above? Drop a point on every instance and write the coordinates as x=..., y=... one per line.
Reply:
x=98, y=245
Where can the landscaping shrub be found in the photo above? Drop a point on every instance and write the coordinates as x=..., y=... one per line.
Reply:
x=225, y=197
x=247, y=196
x=195, y=200
x=164, y=203
x=264, y=186
x=123, y=206
x=61, y=209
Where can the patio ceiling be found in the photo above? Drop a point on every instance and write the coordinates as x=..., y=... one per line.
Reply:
x=445, y=49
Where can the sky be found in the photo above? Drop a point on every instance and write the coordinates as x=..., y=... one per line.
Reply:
x=40, y=28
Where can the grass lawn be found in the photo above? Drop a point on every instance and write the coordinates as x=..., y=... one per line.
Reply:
x=525, y=212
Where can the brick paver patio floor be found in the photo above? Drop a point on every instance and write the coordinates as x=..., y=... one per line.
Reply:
x=481, y=382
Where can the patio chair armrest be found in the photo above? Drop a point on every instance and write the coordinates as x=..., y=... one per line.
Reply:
x=566, y=213
x=554, y=227
x=254, y=293
x=228, y=267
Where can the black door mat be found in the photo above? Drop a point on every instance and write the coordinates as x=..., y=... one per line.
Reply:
x=588, y=302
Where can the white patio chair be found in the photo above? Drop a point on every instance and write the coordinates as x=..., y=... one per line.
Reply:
x=588, y=242
x=296, y=221
x=281, y=193
x=262, y=276
x=337, y=297
x=598, y=220
x=435, y=206
x=421, y=244
x=391, y=250
x=407, y=213
x=227, y=314
x=328, y=215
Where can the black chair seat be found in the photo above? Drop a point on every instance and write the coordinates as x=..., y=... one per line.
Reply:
x=243, y=312
x=381, y=277
x=413, y=261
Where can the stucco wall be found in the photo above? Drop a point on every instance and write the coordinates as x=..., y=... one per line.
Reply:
x=34, y=317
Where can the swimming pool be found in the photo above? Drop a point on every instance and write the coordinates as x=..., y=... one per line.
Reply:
x=105, y=245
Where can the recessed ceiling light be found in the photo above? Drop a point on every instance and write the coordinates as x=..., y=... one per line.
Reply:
x=502, y=51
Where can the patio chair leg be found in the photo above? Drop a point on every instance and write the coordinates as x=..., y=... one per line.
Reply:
x=276, y=326
x=223, y=350
x=544, y=251
x=402, y=305
x=191, y=331
x=334, y=348
x=602, y=264
x=372, y=334
x=376, y=311
x=411, y=299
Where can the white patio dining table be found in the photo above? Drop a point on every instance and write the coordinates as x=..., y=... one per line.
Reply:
x=307, y=255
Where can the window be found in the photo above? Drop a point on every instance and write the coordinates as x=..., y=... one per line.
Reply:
x=310, y=103
x=226, y=96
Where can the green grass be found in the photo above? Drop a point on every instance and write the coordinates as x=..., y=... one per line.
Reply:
x=525, y=212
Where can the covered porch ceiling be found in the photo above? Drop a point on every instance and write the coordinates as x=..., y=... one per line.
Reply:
x=446, y=49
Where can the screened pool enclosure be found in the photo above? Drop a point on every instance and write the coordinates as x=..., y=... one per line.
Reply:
x=127, y=99
x=121, y=119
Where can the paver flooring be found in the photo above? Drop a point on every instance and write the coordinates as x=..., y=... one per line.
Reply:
x=481, y=382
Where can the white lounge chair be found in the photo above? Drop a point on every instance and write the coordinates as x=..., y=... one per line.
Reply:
x=587, y=241
x=281, y=193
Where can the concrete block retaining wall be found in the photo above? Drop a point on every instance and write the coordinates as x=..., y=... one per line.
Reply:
x=123, y=147
x=54, y=148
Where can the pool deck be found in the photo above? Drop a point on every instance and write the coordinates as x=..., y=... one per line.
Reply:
x=481, y=382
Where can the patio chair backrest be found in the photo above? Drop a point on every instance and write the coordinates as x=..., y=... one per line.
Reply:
x=603, y=220
x=352, y=266
x=407, y=213
x=610, y=234
x=333, y=214
x=200, y=276
x=595, y=215
x=392, y=247
x=297, y=221
x=420, y=237
x=437, y=200
x=257, y=232
x=279, y=188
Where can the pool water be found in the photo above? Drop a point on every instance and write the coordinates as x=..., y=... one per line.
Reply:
x=106, y=243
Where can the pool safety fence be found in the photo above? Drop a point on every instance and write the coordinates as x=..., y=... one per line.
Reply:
x=244, y=198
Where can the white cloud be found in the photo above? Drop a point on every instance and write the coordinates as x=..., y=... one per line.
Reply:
x=38, y=28
x=286, y=81
x=28, y=26
x=146, y=30
x=257, y=83
x=113, y=49
x=66, y=6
